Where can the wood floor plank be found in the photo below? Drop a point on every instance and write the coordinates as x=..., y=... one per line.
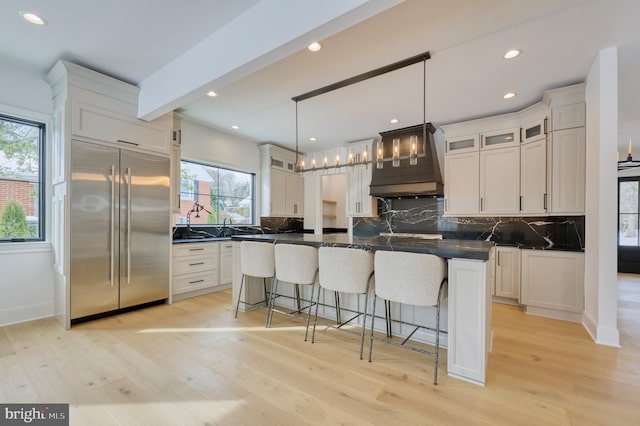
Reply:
x=192, y=363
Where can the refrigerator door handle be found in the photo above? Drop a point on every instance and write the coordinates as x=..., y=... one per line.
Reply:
x=113, y=224
x=128, y=225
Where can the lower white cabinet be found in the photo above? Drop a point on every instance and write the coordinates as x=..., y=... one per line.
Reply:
x=194, y=268
x=553, y=283
x=226, y=262
x=507, y=275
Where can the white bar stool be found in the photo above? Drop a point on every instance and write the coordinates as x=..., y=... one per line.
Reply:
x=256, y=260
x=412, y=279
x=345, y=270
x=296, y=264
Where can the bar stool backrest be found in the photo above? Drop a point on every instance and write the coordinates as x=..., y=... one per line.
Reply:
x=344, y=269
x=257, y=259
x=296, y=263
x=409, y=278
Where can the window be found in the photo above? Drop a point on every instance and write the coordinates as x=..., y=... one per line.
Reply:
x=628, y=203
x=21, y=180
x=224, y=194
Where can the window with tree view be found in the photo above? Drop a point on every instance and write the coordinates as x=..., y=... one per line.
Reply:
x=21, y=180
x=222, y=194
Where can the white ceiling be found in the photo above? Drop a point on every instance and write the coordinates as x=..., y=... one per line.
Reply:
x=251, y=52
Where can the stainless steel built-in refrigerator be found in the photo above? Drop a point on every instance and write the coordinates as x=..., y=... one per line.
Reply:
x=119, y=226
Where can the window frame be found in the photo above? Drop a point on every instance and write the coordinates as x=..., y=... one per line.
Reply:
x=42, y=175
x=196, y=195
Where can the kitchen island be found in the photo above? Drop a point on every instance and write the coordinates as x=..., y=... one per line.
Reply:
x=468, y=340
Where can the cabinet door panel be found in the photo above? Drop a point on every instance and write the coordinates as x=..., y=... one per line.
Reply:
x=461, y=189
x=277, y=193
x=533, y=177
x=553, y=280
x=500, y=181
x=568, y=171
x=508, y=272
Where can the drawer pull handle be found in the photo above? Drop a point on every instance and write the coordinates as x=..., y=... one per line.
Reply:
x=127, y=142
x=196, y=249
x=195, y=264
x=196, y=281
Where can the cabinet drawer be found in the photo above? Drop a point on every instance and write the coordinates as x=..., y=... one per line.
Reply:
x=191, y=264
x=226, y=246
x=195, y=249
x=197, y=281
x=108, y=126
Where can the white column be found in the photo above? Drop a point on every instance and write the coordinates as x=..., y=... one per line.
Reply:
x=600, y=314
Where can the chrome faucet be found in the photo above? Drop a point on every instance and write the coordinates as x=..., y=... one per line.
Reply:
x=224, y=227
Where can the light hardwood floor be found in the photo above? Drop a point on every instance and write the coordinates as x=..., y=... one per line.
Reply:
x=191, y=363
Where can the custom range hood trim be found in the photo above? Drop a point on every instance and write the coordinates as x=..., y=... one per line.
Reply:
x=423, y=179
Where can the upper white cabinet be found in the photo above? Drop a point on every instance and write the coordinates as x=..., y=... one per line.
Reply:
x=500, y=181
x=497, y=139
x=530, y=167
x=462, y=144
x=176, y=156
x=359, y=202
x=569, y=116
x=282, y=188
x=533, y=177
x=103, y=125
x=461, y=184
x=567, y=158
x=535, y=130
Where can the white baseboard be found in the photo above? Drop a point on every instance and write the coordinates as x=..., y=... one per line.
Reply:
x=554, y=313
x=25, y=313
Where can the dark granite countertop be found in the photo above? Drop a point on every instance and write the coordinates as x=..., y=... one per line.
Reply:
x=200, y=240
x=465, y=249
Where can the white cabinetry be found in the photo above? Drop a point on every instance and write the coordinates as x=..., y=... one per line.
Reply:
x=103, y=125
x=500, y=181
x=553, y=283
x=175, y=165
x=359, y=202
x=461, y=184
x=507, y=282
x=226, y=262
x=567, y=171
x=282, y=189
x=194, y=269
x=568, y=116
x=533, y=177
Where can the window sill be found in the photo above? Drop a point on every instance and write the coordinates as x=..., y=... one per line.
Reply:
x=26, y=247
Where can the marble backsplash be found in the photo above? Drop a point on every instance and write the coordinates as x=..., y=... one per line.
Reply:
x=281, y=224
x=425, y=215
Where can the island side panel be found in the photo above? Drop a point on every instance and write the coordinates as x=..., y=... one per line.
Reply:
x=469, y=320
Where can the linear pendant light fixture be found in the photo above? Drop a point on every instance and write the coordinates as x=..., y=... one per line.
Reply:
x=423, y=57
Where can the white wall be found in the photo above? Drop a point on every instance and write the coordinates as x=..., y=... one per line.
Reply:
x=204, y=144
x=26, y=281
x=201, y=143
x=600, y=315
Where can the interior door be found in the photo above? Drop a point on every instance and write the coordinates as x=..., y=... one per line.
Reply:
x=144, y=229
x=93, y=229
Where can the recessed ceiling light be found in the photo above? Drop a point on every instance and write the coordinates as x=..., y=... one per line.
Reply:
x=312, y=139
x=393, y=121
x=315, y=46
x=33, y=18
x=235, y=127
x=212, y=93
x=512, y=53
x=509, y=95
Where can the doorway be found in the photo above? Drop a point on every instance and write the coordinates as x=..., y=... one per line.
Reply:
x=628, y=215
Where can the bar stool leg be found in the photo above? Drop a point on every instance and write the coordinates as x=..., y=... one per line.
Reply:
x=306, y=333
x=364, y=321
x=315, y=319
x=264, y=283
x=239, y=294
x=373, y=320
x=272, y=301
x=338, y=310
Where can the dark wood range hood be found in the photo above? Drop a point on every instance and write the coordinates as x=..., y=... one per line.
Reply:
x=422, y=179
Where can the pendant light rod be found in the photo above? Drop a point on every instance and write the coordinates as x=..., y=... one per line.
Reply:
x=364, y=76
